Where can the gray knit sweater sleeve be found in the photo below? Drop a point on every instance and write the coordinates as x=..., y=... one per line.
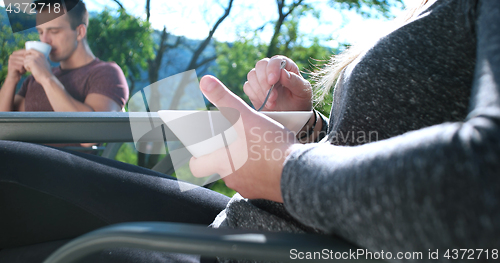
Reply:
x=434, y=187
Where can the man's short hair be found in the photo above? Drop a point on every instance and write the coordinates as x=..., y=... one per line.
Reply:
x=76, y=10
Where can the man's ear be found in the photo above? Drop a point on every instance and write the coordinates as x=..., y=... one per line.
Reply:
x=81, y=30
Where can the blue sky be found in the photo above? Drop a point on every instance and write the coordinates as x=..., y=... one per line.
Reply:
x=194, y=18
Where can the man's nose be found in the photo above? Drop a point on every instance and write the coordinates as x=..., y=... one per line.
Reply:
x=45, y=38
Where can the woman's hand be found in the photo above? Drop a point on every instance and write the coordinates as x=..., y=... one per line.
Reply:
x=257, y=154
x=291, y=91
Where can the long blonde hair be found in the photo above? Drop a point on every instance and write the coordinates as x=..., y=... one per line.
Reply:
x=326, y=78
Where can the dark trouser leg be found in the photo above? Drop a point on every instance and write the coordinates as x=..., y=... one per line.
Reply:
x=50, y=194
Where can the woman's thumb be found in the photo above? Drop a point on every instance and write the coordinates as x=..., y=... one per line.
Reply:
x=217, y=93
x=295, y=83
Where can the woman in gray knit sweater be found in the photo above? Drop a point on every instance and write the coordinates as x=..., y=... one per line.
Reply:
x=412, y=157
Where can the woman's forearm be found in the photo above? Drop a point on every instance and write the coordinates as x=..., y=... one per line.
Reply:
x=427, y=185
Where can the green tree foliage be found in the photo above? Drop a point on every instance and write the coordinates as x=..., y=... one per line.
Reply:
x=122, y=38
x=127, y=154
x=9, y=43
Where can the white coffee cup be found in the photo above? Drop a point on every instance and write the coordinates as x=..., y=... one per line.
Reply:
x=39, y=46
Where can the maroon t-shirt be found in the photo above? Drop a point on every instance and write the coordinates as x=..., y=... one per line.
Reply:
x=99, y=77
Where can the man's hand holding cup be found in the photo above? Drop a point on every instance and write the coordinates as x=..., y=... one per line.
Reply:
x=35, y=59
x=16, y=65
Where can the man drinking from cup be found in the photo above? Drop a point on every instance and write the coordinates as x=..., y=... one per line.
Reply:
x=81, y=83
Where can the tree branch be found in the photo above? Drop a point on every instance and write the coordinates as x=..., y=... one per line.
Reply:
x=292, y=7
x=154, y=65
x=120, y=4
x=193, y=63
x=205, y=43
x=205, y=61
x=176, y=44
x=279, y=23
x=281, y=5
x=148, y=9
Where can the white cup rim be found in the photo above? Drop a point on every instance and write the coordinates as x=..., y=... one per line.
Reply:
x=42, y=46
x=38, y=42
